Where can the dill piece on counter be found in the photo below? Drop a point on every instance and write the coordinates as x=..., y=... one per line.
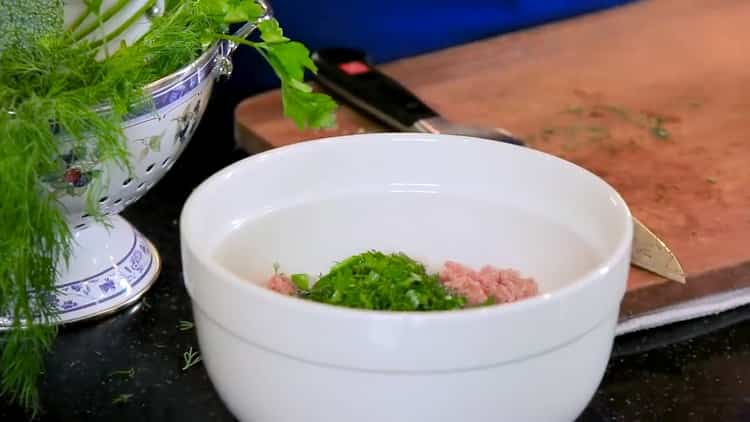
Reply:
x=377, y=281
x=185, y=325
x=191, y=359
x=122, y=398
x=127, y=373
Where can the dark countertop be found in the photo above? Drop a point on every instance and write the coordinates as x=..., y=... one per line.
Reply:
x=698, y=370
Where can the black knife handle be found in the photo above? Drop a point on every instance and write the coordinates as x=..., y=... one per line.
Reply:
x=348, y=74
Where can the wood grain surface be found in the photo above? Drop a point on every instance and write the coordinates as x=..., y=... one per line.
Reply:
x=654, y=97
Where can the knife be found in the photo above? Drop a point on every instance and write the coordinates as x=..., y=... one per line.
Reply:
x=349, y=75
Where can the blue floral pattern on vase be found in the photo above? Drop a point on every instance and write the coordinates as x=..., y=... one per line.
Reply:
x=108, y=284
x=188, y=123
x=68, y=304
x=79, y=163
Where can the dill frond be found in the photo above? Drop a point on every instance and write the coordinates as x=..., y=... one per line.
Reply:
x=50, y=91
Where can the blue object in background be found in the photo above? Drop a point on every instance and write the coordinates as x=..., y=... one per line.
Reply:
x=393, y=29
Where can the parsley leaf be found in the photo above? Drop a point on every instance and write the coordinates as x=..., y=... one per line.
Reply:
x=289, y=61
x=243, y=11
x=308, y=108
x=233, y=11
x=271, y=32
x=291, y=58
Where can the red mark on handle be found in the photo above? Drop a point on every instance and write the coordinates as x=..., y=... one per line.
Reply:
x=354, y=68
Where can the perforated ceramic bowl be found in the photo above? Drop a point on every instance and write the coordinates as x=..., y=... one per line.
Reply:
x=156, y=139
x=113, y=265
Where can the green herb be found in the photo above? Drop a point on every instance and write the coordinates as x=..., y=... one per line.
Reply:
x=574, y=110
x=302, y=281
x=145, y=303
x=598, y=133
x=51, y=86
x=377, y=281
x=122, y=399
x=191, y=359
x=660, y=132
x=657, y=129
x=289, y=60
x=619, y=111
x=654, y=124
x=185, y=325
x=128, y=373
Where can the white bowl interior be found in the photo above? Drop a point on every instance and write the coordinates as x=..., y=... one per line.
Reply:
x=432, y=197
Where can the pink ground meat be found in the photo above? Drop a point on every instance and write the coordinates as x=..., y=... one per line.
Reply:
x=505, y=285
x=282, y=284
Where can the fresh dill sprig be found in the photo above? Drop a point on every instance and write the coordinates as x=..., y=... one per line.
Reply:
x=52, y=93
x=191, y=359
x=122, y=398
x=127, y=373
x=185, y=325
x=34, y=235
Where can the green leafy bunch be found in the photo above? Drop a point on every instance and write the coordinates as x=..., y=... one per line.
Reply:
x=56, y=96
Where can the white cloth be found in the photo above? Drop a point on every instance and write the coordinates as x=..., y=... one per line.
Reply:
x=684, y=311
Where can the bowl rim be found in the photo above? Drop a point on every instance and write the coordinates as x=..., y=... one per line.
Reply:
x=604, y=265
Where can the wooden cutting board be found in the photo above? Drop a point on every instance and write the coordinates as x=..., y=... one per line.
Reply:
x=654, y=97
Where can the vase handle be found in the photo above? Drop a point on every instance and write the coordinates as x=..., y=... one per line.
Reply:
x=224, y=59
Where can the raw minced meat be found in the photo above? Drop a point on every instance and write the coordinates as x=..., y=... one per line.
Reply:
x=502, y=285
x=282, y=284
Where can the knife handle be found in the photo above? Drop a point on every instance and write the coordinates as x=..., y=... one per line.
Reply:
x=348, y=74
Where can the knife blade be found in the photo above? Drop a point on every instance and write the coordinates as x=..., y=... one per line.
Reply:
x=652, y=254
x=349, y=75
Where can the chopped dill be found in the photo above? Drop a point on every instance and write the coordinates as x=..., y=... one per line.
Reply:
x=659, y=131
x=378, y=281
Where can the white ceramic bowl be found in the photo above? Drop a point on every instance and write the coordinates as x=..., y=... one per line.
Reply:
x=274, y=358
